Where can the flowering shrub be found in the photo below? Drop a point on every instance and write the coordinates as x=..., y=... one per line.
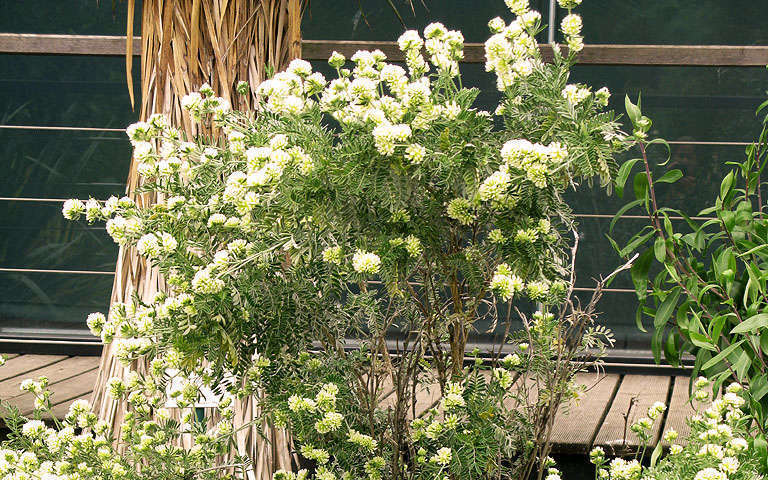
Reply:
x=719, y=446
x=80, y=446
x=378, y=205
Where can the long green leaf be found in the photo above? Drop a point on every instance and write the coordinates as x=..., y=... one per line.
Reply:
x=621, y=177
x=636, y=241
x=752, y=323
x=701, y=341
x=660, y=249
x=639, y=272
x=665, y=309
x=622, y=211
x=722, y=355
x=671, y=176
x=656, y=454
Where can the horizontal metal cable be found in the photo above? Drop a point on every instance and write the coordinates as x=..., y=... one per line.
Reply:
x=121, y=130
x=68, y=129
x=40, y=270
x=607, y=290
x=634, y=217
x=29, y=199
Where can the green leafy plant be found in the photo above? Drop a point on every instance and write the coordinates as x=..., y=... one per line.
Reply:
x=162, y=436
x=704, y=282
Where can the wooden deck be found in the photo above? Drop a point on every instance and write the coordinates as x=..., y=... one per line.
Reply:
x=598, y=419
x=70, y=379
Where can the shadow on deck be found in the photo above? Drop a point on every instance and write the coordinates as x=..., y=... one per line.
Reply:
x=597, y=419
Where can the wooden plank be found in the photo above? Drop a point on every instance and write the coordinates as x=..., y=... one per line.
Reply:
x=427, y=396
x=521, y=382
x=646, y=389
x=56, y=372
x=575, y=427
x=671, y=55
x=60, y=410
x=675, y=55
x=679, y=410
x=32, y=43
x=23, y=364
x=64, y=392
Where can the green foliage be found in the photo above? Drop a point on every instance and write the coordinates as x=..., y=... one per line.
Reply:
x=79, y=445
x=380, y=219
x=704, y=283
x=718, y=447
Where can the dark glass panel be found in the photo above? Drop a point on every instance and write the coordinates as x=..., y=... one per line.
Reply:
x=376, y=20
x=50, y=304
x=63, y=164
x=677, y=22
x=616, y=310
x=66, y=90
x=703, y=168
x=596, y=258
x=71, y=17
x=35, y=235
x=686, y=103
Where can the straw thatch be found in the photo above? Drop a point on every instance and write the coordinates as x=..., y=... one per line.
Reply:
x=185, y=43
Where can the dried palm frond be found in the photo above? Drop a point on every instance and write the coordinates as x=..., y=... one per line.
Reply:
x=185, y=43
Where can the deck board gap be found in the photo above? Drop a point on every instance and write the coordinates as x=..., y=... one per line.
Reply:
x=606, y=409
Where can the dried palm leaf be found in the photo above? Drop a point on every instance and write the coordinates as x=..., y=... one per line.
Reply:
x=185, y=43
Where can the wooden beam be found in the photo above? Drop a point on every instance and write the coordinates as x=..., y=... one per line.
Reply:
x=577, y=423
x=669, y=55
x=28, y=43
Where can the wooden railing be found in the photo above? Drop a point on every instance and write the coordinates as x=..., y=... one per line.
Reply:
x=679, y=55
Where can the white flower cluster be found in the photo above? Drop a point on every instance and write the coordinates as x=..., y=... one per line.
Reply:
x=575, y=94
x=205, y=102
x=505, y=283
x=445, y=47
x=152, y=245
x=512, y=52
x=571, y=28
x=536, y=160
x=366, y=262
x=620, y=469
x=643, y=426
x=290, y=92
x=461, y=210
x=159, y=150
x=713, y=440
x=391, y=102
x=81, y=447
x=320, y=412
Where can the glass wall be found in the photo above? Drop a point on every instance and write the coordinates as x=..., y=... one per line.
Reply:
x=706, y=112
x=61, y=135
x=61, y=118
